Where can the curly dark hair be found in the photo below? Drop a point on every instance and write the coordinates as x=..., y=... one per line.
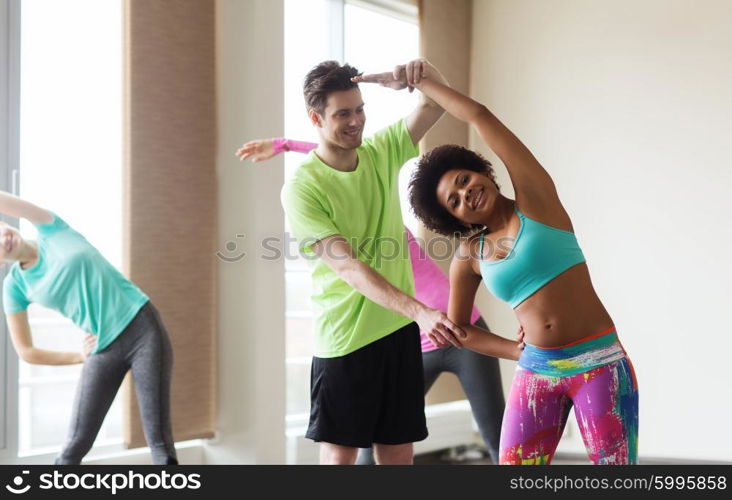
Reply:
x=423, y=187
x=327, y=77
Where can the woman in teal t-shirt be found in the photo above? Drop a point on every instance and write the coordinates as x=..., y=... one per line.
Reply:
x=64, y=272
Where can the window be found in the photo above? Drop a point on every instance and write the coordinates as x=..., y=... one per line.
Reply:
x=316, y=31
x=70, y=162
x=8, y=161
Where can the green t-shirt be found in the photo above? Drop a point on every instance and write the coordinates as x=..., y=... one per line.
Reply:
x=363, y=207
x=73, y=278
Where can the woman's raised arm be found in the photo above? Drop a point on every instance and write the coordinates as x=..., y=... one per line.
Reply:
x=527, y=175
x=13, y=206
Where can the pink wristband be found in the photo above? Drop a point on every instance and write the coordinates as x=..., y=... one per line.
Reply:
x=281, y=144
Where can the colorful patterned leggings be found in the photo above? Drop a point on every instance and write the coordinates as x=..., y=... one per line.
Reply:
x=592, y=374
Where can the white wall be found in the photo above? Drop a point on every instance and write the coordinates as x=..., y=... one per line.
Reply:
x=628, y=105
x=251, y=368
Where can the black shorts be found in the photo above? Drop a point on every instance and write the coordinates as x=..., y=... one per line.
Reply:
x=372, y=395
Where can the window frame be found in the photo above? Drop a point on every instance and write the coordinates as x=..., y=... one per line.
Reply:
x=9, y=142
x=404, y=10
x=11, y=376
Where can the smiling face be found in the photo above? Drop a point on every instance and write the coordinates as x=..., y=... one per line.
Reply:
x=10, y=243
x=467, y=195
x=342, y=121
x=453, y=190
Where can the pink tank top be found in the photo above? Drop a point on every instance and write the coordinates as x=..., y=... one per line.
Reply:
x=431, y=285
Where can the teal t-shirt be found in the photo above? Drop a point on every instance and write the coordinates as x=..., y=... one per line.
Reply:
x=73, y=278
x=362, y=206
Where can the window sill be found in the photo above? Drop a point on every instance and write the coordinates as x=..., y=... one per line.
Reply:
x=189, y=452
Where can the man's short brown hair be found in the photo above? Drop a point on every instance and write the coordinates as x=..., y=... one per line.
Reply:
x=327, y=77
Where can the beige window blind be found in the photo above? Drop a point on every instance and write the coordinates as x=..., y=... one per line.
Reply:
x=170, y=195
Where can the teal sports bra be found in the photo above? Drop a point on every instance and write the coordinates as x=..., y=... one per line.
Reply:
x=540, y=253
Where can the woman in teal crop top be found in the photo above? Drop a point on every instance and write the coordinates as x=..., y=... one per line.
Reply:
x=525, y=251
x=62, y=271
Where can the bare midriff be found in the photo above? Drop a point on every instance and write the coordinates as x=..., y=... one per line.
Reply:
x=564, y=310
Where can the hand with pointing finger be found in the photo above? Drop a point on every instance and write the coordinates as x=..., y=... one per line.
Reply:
x=408, y=75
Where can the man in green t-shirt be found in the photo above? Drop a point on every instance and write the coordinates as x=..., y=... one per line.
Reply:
x=343, y=208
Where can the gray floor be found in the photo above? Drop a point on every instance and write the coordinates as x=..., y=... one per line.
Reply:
x=475, y=455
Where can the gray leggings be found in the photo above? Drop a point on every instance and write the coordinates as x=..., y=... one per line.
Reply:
x=143, y=347
x=480, y=378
